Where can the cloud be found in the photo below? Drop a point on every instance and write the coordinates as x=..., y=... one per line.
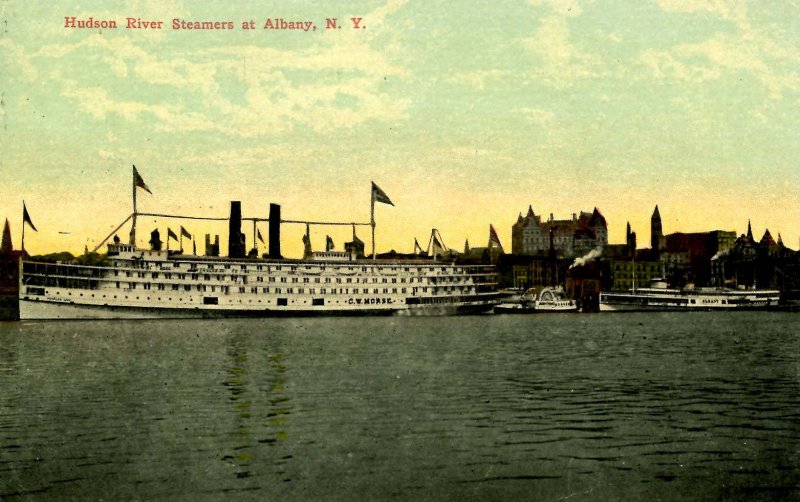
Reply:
x=757, y=54
x=538, y=116
x=563, y=7
x=760, y=53
x=730, y=10
x=170, y=117
x=561, y=61
x=16, y=59
x=478, y=79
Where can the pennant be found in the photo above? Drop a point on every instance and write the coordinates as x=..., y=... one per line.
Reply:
x=139, y=182
x=184, y=233
x=494, y=239
x=258, y=234
x=328, y=243
x=26, y=218
x=493, y=234
x=379, y=195
x=171, y=234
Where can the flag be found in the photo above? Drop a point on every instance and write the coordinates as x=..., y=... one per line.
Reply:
x=139, y=182
x=184, y=233
x=258, y=234
x=26, y=218
x=171, y=234
x=493, y=234
x=379, y=195
x=328, y=243
x=493, y=238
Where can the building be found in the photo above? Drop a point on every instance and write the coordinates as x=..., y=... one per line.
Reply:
x=687, y=256
x=657, y=239
x=763, y=263
x=567, y=238
x=637, y=271
x=630, y=268
x=523, y=271
x=9, y=276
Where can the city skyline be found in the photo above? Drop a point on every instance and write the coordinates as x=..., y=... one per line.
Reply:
x=464, y=117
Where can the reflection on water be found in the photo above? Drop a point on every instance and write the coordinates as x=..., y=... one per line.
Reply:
x=584, y=407
x=236, y=383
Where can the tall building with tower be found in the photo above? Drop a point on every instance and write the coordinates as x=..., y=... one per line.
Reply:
x=657, y=240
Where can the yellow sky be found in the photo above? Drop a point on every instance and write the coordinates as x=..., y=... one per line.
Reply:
x=463, y=115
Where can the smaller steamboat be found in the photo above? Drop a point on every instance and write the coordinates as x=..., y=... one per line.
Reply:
x=538, y=300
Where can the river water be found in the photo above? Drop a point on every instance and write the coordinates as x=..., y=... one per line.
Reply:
x=679, y=406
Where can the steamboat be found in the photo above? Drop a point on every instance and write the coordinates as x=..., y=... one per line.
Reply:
x=136, y=283
x=537, y=300
x=660, y=297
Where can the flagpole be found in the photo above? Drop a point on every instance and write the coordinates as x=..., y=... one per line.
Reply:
x=255, y=243
x=133, y=223
x=372, y=218
x=23, y=228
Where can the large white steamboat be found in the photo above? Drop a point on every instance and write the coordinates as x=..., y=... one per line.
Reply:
x=662, y=298
x=136, y=283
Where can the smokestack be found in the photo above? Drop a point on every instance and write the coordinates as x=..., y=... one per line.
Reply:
x=235, y=244
x=275, y=231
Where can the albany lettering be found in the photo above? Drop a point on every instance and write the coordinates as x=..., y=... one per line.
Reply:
x=280, y=23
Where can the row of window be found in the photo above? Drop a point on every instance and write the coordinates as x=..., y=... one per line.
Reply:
x=210, y=267
x=294, y=280
x=267, y=289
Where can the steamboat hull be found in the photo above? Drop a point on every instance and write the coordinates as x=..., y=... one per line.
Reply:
x=43, y=310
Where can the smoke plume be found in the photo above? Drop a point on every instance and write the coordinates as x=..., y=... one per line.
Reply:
x=591, y=255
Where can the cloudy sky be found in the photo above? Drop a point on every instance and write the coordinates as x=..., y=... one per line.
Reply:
x=464, y=113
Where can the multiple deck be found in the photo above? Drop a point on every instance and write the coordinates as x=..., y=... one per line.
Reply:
x=693, y=299
x=135, y=283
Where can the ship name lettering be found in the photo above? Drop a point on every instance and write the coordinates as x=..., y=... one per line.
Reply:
x=369, y=301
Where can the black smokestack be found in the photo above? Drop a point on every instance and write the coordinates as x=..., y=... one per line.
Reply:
x=235, y=244
x=275, y=231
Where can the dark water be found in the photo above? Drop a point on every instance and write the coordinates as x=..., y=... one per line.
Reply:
x=696, y=406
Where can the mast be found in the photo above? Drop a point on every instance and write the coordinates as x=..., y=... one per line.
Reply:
x=372, y=218
x=255, y=243
x=133, y=223
x=23, y=229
